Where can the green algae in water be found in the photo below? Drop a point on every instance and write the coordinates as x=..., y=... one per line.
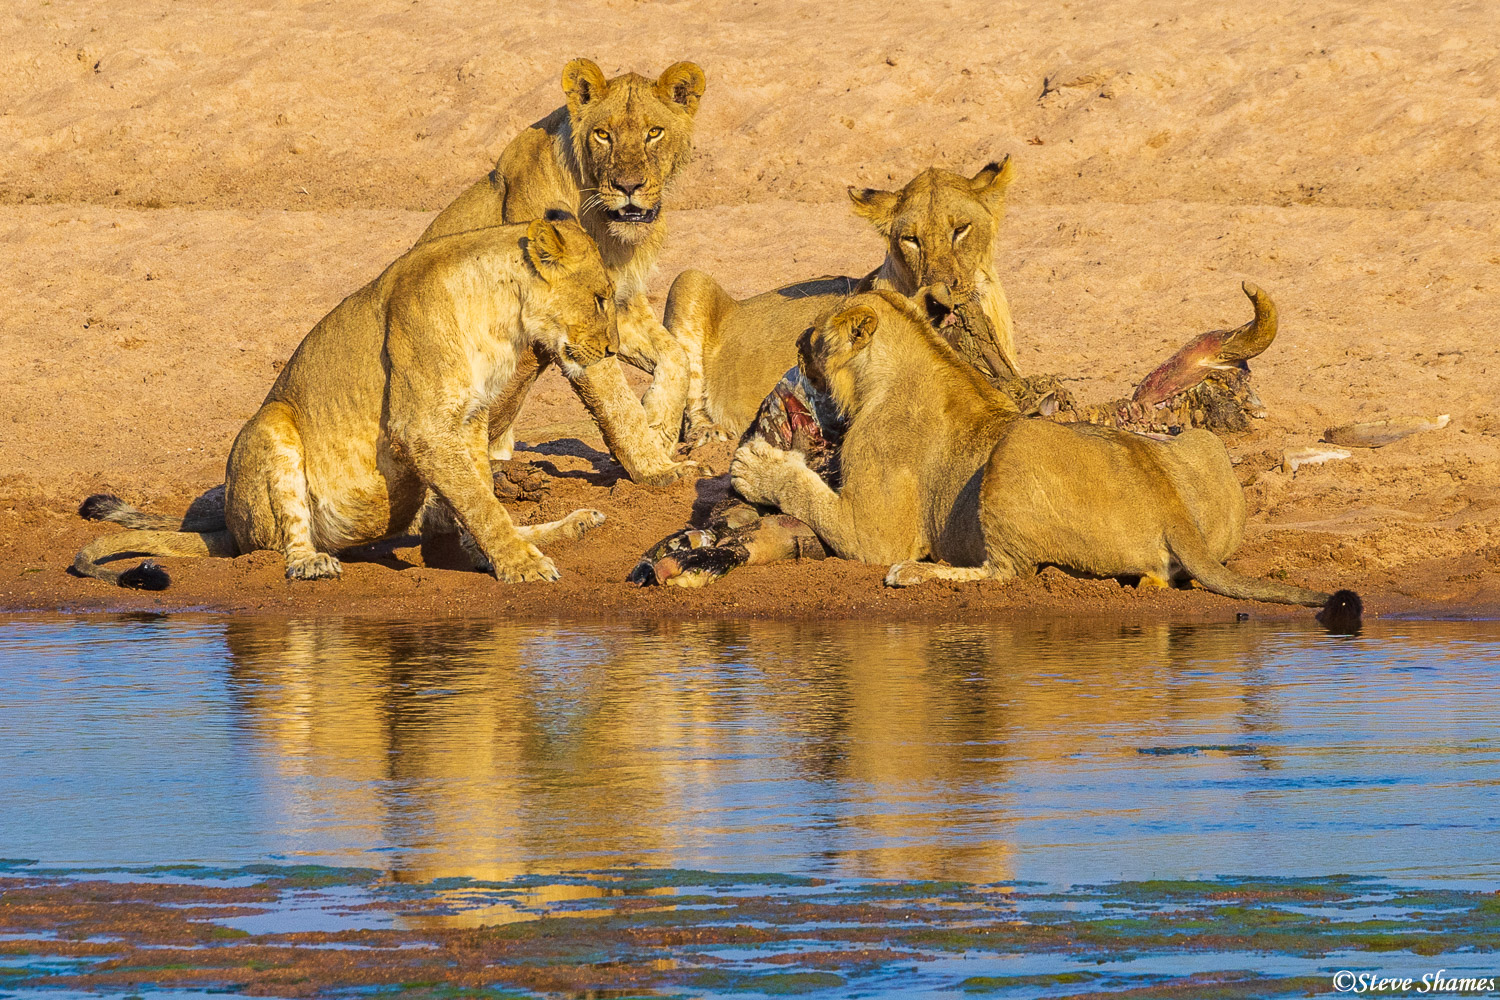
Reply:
x=711, y=934
x=770, y=983
x=447, y=991
x=991, y=984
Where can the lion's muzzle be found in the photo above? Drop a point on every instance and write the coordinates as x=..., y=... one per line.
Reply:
x=583, y=357
x=632, y=202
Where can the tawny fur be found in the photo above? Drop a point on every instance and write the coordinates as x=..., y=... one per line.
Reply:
x=939, y=230
x=937, y=464
x=615, y=145
x=386, y=402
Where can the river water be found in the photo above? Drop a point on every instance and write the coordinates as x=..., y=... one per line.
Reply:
x=1060, y=753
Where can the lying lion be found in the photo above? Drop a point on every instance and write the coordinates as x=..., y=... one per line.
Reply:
x=953, y=473
x=608, y=155
x=386, y=402
x=1204, y=384
x=939, y=229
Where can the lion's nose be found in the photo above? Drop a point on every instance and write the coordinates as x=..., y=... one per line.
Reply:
x=942, y=272
x=629, y=186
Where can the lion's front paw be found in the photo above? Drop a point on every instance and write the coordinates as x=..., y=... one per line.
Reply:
x=317, y=566
x=525, y=565
x=758, y=470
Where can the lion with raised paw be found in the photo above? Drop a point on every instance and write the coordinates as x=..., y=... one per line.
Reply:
x=386, y=404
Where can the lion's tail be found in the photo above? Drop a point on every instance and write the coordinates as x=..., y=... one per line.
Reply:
x=133, y=544
x=199, y=532
x=205, y=514
x=1342, y=608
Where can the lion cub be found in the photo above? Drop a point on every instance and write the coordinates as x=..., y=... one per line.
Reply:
x=386, y=401
x=939, y=229
x=950, y=471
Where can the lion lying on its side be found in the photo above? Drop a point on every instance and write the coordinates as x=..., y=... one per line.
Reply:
x=387, y=400
x=950, y=471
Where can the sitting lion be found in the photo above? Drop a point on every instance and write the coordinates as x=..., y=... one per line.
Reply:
x=950, y=471
x=607, y=155
x=939, y=229
x=386, y=402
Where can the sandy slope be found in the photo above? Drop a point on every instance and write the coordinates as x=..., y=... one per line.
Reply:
x=185, y=191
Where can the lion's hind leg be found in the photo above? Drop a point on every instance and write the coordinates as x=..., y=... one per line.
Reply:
x=911, y=573
x=696, y=309
x=267, y=504
x=1004, y=559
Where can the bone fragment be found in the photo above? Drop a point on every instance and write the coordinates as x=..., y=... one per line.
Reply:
x=1292, y=458
x=1376, y=433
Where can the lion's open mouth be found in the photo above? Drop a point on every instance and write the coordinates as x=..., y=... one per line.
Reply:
x=632, y=213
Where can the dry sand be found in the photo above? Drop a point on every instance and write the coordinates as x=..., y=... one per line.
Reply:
x=186, y=189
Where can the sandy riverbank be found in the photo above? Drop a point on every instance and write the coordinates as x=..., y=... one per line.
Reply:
x=183, y=196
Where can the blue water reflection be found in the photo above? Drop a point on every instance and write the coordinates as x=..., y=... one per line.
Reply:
x=1062, y=752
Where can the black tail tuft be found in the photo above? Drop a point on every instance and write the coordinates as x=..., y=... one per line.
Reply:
x=99, y=506
x=147, y=576
x=1343, y=612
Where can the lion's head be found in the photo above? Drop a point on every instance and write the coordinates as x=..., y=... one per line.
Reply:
x=630, y=135
x=571, y=308
x=939, y=227
x=832, y=351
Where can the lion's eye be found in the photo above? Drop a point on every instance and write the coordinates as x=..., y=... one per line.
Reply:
x=601, y=135
x=960, y=232
x=654, y=132
x=911, y=241
x=599, y=301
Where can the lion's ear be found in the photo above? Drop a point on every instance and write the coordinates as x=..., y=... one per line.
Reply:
x=859, y=324
x=584, y=83
x=877, y=206
x=682, y=83
x=545, y=246
x=990, y=183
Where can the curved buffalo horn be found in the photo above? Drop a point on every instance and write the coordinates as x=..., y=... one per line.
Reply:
x=1218, y=349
